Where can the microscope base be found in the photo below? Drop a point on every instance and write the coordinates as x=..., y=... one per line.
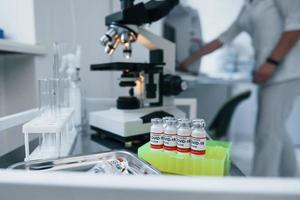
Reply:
x=100, y=133
x=128, y=123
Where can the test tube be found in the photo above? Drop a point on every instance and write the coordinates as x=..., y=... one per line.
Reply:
x=50, y=143
x=54, y=95
x=59, y=49
x=61, y=93
x=43, y=86
x=64, y=93
x=54, y=84
x=44, y=100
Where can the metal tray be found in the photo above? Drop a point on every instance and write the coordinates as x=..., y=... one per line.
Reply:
x=86, y=162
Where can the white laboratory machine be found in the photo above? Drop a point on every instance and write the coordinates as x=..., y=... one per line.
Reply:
x=152, y=86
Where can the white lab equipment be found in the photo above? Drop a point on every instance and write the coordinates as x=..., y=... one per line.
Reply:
x=156, y=81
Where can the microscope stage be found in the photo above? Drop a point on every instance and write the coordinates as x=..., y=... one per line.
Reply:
x=128, y=123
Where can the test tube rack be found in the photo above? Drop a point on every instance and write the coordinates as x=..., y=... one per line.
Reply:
x=56, y=133
x=216, y=162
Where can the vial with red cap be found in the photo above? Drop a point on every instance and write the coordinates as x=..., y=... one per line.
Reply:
x=198, y=138
x=156, y=134
x=184, y=137
x=170, y=136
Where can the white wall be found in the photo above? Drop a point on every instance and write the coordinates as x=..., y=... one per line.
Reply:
x=16, y=95
x=17, y=72
x=19, y=84
x=216, y=16
x=17, y=19
x=52, y=22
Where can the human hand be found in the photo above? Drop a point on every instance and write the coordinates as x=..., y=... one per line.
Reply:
x=185, y=64
x=263, y=73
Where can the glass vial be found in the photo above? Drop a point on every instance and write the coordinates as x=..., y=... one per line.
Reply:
x=156, y=134
x=170, y=135
x=184, y=136
x=198, y=139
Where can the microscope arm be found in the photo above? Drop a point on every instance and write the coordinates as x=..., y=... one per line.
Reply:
x=159, y=9
x=151, y=41
x=142, y=13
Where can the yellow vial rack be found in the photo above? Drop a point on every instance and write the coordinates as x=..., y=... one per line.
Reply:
x=216, y=161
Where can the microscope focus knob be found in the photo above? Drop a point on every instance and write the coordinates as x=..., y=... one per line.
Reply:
x=173, y=85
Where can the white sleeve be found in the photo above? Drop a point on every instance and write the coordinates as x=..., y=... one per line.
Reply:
x=233, y=31
x=290, y=10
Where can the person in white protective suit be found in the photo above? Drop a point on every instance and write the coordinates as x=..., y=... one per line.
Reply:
x=274, y=26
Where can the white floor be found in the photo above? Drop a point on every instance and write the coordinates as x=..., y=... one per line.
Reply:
x=242, y=155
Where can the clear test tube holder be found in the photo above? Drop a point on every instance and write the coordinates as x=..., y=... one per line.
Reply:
x=59, y=125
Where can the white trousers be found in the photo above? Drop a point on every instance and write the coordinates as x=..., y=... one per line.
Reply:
x=274, y=152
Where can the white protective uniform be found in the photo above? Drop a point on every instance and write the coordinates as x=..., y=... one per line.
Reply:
x=265, y=21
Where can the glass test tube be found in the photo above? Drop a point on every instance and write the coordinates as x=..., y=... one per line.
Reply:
x=55, y=69
x=43, y=85
x=54, y=95
x=50, y=138
x=64, y=93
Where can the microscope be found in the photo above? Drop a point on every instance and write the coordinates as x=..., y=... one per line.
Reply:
x=152, y=86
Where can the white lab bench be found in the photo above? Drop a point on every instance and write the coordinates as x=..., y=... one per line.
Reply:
x=76, y=186
x=69, y=185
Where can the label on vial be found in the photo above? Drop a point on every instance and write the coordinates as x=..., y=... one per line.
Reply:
x=112, y=166
x=183, y=144
x=198, y=145
x=157, y=140
x=170, y=142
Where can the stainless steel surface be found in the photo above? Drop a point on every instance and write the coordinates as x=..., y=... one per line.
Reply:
x=86, y=162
